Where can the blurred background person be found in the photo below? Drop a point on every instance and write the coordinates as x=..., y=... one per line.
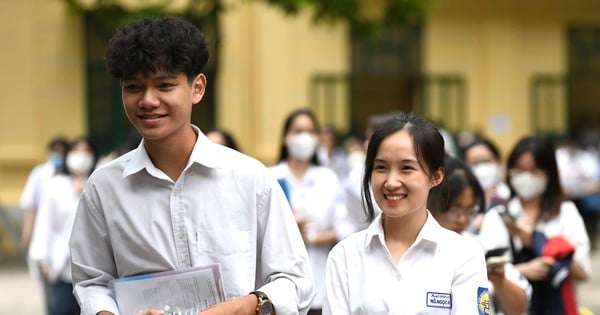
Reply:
x=579, y=170
x=545, y=233
x=222, y=137
x=454, y=204
x=30, y=201
x=50, y=242
x=331, y=154
x=484, y=158
x=315, y=193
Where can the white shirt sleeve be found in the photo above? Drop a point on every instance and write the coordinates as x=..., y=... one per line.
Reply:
x=470, y=286
x=337, y=299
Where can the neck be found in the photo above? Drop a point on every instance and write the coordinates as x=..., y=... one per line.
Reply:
x=404, y=229
x=171, y=157
x=401, y=233
x=298, y=167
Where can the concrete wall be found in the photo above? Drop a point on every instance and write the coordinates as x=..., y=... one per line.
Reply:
x=498, y=47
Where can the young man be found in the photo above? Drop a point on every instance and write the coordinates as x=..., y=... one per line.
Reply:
x=179, y=200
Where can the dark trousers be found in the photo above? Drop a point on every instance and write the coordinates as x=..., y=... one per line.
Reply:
x=64, y=302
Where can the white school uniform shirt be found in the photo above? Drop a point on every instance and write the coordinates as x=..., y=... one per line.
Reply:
x=441, y=273
x=318, y=198
x=32, y=193
x=53, y=224
x=224, y=208
x=568, y=223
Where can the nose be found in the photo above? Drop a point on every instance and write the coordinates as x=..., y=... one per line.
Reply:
x=393, y=181
x=149, y=99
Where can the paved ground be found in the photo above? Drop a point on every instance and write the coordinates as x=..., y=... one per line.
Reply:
x=20, y=294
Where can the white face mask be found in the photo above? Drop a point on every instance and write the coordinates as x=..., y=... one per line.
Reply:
x=302, y=146
x=488, y=174
x=528, y=185
x=80, y=163
x=355, y=159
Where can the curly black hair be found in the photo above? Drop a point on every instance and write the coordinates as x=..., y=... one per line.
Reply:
x=146, y=46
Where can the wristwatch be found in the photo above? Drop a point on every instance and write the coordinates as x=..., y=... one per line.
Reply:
x=264, y=306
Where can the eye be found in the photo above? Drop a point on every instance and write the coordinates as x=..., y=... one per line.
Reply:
x=166, y=85
x=379, y=167
x=131, y=87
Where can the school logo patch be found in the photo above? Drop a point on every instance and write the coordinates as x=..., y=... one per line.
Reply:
x=483, y=301
x=440, y=300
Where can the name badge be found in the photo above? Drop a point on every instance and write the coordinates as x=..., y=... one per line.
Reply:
x=439, y=300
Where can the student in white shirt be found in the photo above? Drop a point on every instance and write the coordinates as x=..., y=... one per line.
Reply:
x=455, y=203
x=50, y=242
x=405, y=262
x=179, y=200
x=314, y=191
x=30, y=201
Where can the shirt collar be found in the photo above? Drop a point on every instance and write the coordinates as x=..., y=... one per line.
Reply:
x=204, y=152
x=429, y=232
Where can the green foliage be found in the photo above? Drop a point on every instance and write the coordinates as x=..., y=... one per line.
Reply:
x=366, y=18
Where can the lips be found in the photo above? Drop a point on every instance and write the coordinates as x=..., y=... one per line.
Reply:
x=394, y=197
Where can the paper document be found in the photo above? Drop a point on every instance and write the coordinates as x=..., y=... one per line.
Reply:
x=177, y=292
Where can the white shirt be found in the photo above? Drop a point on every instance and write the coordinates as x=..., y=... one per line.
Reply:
x=317, y=198
x=224, y=208
x=568, y=223
x=53, y=224
x=32, y=193
x=440, y=268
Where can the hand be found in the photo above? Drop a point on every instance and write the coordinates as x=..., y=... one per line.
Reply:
x=496, y=274
x=245, y=305
x=525, y=234
x=537, y=268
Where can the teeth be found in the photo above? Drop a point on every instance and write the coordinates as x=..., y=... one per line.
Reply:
x=394, y=197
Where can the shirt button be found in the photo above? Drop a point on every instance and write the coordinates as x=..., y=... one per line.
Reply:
x=180, y=236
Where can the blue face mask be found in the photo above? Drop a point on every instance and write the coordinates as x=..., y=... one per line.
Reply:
x=57, y=160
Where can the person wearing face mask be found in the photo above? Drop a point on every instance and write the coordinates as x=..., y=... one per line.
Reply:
x=314, y=192
x=545, y=232
x=30, y=200
x=484, y=159
x=50, y=240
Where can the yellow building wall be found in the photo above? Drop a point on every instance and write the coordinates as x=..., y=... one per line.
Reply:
x=42, y=84
x=267, y=62
x=498, y=47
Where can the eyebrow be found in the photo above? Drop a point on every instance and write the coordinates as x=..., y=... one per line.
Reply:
x=401, y=161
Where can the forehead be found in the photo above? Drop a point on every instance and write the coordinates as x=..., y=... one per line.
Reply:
x=397, y=146
x=526, y=161
x=479, y=152
x=302, y=122
x=153, y=76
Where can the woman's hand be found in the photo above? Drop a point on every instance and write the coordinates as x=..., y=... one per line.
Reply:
x=537, y=268
x=525, y=234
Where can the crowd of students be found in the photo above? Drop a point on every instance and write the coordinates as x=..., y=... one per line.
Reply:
x=390, y=223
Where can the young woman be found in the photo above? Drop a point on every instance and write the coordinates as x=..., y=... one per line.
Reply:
x=546, y=234
x=484, y=159
x=455, y=203
x=315, y=193
x=405, y=262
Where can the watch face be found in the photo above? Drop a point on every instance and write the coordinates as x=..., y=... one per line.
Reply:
x=266, y=308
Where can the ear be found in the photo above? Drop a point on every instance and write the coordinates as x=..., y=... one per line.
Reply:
x=198, y=88
x=438, y=177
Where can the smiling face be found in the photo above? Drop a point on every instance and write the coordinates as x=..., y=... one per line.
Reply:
x=400, y=183
x=160, y=105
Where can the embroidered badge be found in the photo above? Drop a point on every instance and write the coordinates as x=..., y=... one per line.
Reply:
x=483, y=301
x=440, y=300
